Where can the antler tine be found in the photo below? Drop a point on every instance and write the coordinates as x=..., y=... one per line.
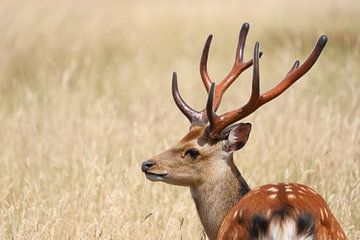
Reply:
x=191, y=114
x=203, y=64
x=295, y=66
x=241, y=43
x=209, y=107
x=256, y=100
x=255, y=92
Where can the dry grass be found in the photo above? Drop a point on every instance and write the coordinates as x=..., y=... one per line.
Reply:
x=85, y=97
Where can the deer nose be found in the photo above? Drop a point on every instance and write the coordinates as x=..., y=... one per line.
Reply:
x=146, y=165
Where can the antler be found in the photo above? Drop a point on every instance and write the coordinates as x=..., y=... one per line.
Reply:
x=238, y=67
x=194, y=116
x=219, y=123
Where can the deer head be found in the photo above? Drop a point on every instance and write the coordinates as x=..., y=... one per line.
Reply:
x=203, y=158
x=211, y=136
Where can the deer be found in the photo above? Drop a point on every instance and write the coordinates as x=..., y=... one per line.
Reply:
x=203, y=161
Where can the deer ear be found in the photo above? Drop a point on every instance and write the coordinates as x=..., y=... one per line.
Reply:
x=237, y=137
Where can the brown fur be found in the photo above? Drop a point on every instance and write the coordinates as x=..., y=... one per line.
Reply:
x=237, y=223
x=215, y=183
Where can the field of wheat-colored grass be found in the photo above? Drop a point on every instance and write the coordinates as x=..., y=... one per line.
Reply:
x=85, y=98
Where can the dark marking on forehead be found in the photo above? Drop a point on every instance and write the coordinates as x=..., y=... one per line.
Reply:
x=195, y=132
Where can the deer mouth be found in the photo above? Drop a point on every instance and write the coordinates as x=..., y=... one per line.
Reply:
x=156, y=176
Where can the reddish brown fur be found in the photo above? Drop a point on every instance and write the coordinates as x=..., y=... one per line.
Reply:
x=236, y=224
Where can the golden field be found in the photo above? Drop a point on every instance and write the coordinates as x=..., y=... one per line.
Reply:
x=85, y=97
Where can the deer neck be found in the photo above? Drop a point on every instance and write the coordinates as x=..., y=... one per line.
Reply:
x=218, y=194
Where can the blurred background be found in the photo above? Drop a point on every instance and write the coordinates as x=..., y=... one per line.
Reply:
x=85, y=97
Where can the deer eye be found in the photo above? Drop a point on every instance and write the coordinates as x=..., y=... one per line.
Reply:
x=193, y=153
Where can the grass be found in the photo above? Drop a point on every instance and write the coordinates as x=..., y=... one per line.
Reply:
x=85, y=97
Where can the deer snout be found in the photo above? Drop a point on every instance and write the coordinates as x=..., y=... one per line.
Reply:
x=147, y=165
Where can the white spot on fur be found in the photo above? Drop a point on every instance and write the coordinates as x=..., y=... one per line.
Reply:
x=273, y=189
x=273, y=196
x=301, y=191
x=288, y=190
x=235, y=214
x=315, y=193
x=322, y=215
x=326, y=213
x=291, y=196
x=268, y=213
x=238, y=213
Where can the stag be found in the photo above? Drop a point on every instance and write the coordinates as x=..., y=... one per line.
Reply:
x=203, y=160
